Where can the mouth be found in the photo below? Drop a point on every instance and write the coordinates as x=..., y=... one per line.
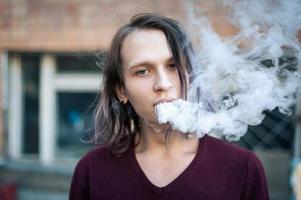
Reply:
x=164, y=100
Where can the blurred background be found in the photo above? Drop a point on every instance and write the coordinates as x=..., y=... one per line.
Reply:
x=49, y=82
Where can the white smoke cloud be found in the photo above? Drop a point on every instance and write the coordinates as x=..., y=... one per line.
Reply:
x=238, y=77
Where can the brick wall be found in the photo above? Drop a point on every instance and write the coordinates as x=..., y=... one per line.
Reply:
x=81, y=25
x=71, y=24
x=54, y=25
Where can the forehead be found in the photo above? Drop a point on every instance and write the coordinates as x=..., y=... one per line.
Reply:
x=145, y=45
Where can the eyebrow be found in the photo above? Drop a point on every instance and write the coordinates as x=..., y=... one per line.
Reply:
x=138, y=64
x=147, y=63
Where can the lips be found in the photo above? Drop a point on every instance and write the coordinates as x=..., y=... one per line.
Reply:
x=164, y=100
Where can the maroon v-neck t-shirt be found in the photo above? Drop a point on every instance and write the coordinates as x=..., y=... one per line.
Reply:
x=219, y=171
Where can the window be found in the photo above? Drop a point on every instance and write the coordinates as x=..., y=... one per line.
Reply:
x=76, y=63
x=51, y=102
x=30, y=99
x=74, y=123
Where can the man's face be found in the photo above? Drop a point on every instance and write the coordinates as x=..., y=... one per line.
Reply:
x=150, y=75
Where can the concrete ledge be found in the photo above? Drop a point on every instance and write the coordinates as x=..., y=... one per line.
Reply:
x=37, y=177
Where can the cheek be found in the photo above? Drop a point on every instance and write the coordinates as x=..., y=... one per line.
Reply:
x=177, y=84
x=139, y=95
x=140, y=104
x=138, y=86
x=137, y=92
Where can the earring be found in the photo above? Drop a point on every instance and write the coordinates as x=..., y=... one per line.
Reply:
x=123, y=101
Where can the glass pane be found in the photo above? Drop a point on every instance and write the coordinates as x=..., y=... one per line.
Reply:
x=77, y=63
x=74, y=123
x=30, y=90
x=275, y=131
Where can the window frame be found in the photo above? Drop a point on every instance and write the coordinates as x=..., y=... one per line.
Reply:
x=51, y=83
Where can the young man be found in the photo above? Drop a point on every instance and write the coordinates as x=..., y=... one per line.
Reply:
x=149, y=62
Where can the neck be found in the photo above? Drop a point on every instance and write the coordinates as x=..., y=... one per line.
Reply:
x=154, y=140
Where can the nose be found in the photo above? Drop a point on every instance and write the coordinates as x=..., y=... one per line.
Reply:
x=163, y=81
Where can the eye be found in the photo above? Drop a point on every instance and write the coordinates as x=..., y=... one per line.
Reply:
x=172, y=66
x=141, y=72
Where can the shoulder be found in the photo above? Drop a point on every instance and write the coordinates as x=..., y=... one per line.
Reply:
x=88, y=164
x=229, y=153
x=100, y=153
x=101, y=160
x=237, y=164
x=80, y=183
x=225, y=147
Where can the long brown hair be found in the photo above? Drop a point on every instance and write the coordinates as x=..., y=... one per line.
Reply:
x=117, y=124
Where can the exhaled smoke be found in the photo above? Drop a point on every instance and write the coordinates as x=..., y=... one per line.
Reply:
x=236, y=79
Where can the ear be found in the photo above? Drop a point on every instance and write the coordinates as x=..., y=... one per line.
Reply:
x=121, y=94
